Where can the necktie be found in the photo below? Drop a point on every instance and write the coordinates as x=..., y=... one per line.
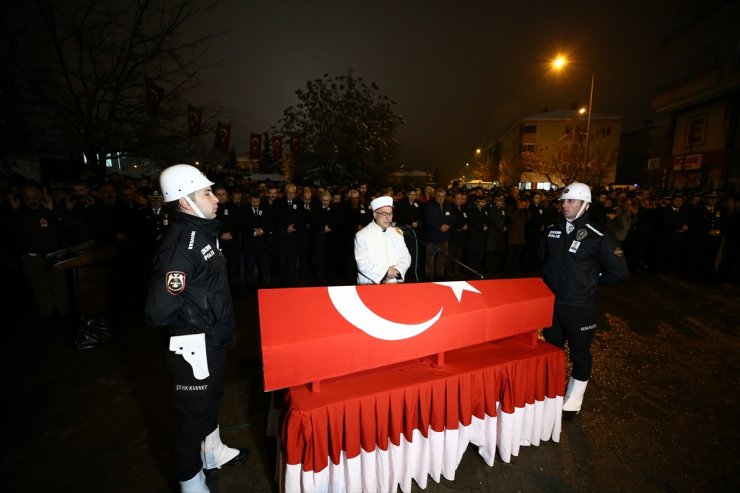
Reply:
x=255, y=211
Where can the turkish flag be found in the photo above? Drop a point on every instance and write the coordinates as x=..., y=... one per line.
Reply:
x=365, y=327
x=154, y=95
x=294, y=145
x=277, y=148
x=223, y=134
x=194, y=120
x=255, y=146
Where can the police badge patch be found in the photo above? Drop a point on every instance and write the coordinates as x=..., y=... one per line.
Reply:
x=581, y=234
x=175, y=282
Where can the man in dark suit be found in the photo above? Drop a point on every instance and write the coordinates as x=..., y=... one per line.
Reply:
x=256, y=244
x=354, y=217
x=496, y=234
x=475, y=247
x=288, y=228
x=324, y=221
x=674, y=221
x=458, y=233
x=228, y=235
x=437, y=222
x=410, y=213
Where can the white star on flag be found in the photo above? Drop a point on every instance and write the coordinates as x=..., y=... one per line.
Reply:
x=458, y=287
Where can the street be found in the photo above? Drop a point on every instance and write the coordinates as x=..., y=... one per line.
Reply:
x=660, y=413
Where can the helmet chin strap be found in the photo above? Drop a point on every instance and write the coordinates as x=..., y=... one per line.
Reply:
x=194, y=207
x=583, y=209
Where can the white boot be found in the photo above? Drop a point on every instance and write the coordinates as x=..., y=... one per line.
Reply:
x=215, y=454
x=574, y=397
x=196, y=484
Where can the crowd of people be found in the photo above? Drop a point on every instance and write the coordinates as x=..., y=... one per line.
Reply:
x=286, y=235
x=183, y=248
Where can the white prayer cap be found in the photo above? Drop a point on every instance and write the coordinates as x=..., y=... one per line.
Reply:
x=382, y=201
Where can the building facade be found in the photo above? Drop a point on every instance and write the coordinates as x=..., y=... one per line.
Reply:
x=700, y=93
x=552, y=146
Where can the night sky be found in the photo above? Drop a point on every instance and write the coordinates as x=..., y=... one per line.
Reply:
x=461, y=72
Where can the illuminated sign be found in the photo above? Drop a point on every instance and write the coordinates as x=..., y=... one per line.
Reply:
x=691, y=161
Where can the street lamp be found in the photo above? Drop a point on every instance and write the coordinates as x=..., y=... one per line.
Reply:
x=559, y=63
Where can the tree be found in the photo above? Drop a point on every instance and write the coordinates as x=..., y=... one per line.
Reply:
x=104, y=77
x=566, y=161
x=346, y=131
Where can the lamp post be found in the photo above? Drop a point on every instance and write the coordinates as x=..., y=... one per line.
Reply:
x=588, y=124
x=558, y=64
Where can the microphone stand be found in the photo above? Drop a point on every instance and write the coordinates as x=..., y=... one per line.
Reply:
x=428, y=245
x=363, y=275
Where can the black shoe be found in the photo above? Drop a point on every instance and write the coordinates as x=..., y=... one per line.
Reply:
x=568, y=415
x=240, y=457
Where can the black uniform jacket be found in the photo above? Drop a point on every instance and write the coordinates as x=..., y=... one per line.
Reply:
x=576, y=263
x=189, y=289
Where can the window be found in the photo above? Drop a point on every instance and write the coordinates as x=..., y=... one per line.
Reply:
x=529, y=129
x=527, y=148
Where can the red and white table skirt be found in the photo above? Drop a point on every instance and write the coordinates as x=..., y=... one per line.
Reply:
x=381, y=429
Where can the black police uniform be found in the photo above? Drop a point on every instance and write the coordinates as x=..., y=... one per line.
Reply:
x=574, y=265
x=189, y=293
x=706, y=235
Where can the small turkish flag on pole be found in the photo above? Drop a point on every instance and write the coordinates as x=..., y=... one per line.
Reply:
x=194, y=120
x=294, y=146
x=277, y=148
x=223, y=133
x=255, y=146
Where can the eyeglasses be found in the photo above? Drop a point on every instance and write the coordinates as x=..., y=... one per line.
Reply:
x=385, y=214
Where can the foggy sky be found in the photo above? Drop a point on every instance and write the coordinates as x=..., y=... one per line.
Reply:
x=461, y=72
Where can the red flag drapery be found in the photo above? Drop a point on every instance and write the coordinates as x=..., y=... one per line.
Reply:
x=223, y=134
x=194, y=120
x=255, y=146
x=277, y=148
x=154, y=95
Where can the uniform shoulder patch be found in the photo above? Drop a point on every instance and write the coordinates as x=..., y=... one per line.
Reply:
x=175, y=281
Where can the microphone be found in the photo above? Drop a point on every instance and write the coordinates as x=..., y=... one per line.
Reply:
x=402, y=227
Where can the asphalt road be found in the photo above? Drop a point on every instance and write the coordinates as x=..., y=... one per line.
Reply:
x=661, y=412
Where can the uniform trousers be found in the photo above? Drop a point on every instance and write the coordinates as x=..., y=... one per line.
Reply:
x=196, y=405
x=575, y=324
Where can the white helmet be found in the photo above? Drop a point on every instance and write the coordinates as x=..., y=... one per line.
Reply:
x=180, y=180
x=577, y=191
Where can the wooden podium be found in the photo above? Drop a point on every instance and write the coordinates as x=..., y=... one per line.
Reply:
x=92, y=268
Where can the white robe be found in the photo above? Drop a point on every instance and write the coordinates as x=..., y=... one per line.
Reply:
x=376, y=251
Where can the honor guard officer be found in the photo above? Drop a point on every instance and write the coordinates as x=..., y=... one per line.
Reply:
x=577, y=258
x=155, y=216
x=189, y=293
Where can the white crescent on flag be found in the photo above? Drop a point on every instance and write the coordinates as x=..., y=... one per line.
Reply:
x=350, y=306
